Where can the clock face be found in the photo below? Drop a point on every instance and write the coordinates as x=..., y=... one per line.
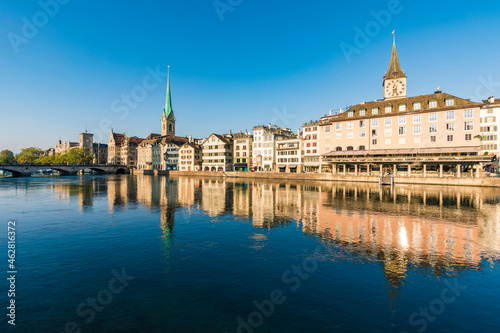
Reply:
x=395, y=88
x=87, y=140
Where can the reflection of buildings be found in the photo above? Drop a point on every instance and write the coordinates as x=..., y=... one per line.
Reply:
x=435, y=228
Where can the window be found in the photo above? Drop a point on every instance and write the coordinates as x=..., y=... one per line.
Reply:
x=362, y=112
x=374, y=132
x=387, y=141
x=388, y=132
x=349, y=148
x=338, y=149
x=416, y=139
x=349, y=124
x=433, y=103
x=388, y=109
x=402, y=120
x=450, y=127
x=450, y=102
x=417, y=118
x=433, y=128
x=450, y=115
x=402, y=141
x=339, y=136
x=468, y=114
x=388, y=121
x=350, y=113
x=362, y=133
x=402, y=130
x=402, y=107
x=468, y=137
x=417, y=106
x=374, y=142
x=338, y=126
x=374, y=122
x=433, y=116
x=374, y=110
x=327, y=129
x=449, y=138
x=350, y=135
x=469, y=126
x=417, y=129
x=489, y=119
x=433, y=138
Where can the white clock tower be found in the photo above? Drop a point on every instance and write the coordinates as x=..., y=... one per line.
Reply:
x=395, y=78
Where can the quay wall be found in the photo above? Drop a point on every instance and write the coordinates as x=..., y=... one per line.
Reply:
x=415, y=180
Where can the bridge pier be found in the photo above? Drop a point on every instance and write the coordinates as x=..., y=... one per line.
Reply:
x=20, y=174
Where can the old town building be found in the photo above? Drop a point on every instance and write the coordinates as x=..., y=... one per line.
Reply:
x=242, y=152
x=189, y=157
x=264, y=152
x=217, y=153
x=289, y=155
x=428, y=133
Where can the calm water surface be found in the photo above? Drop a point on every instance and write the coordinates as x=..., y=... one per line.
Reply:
x=213, y=255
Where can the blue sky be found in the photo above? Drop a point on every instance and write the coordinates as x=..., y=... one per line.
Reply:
x=241, y=64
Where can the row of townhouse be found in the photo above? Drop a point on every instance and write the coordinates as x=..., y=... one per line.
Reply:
x=395, y=132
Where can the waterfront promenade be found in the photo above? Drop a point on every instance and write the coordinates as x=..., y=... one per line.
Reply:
x=374, y=177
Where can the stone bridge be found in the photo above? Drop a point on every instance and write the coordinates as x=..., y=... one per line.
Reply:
x=26, y=170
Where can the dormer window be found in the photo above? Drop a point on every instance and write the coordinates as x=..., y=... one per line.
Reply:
x=388, y=109
x=350, y=113
x=374, y=110
x=450, y=102
x=402, y=107
x=417, y=106
x=362, y=112
x=433, y=103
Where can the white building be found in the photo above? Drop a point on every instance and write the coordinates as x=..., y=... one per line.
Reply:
x=289, y=155
x=217, y=153
x=264, y=152
x=490, y=119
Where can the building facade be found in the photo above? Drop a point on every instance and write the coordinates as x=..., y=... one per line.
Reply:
x=435, y=132
x=490, y=121
x=264, y=152
x=289, y=155
x=189, y=157
x=217, y=153
x=242, y=152
x=310, y=147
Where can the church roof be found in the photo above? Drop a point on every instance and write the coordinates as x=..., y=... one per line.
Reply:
x=424, y=100
x=394, y=71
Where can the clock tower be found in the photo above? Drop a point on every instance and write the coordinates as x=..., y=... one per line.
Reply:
x=395, y=78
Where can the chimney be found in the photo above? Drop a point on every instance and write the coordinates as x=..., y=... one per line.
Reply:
x=190, y=138
x=330, y=112
x=230, y=133
x=491, y=99
x=298, y=132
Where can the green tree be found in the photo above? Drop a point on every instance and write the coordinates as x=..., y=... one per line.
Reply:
x=7, y=157
x=29, y=155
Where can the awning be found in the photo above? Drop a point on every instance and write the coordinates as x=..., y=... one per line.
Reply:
x=240, y=165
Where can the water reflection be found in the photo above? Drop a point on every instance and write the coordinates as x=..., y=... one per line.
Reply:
x=433, y=229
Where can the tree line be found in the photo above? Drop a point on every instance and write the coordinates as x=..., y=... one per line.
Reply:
x=34, y=155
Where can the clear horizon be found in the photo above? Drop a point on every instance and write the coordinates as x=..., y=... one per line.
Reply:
x=69, y=66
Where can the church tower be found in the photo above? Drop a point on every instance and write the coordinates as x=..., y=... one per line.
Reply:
x=395, y=78
x=168, y=119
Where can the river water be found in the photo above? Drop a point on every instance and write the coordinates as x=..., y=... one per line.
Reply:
x=124, y=253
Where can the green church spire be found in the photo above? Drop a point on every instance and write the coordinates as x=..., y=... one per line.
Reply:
x=168, y=102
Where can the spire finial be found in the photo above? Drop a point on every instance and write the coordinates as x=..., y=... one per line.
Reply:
x=168, y=102
x=394, y=36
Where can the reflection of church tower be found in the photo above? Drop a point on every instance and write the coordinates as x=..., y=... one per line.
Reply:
x=395, y=78
x=395, y=273
x=168, y=119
